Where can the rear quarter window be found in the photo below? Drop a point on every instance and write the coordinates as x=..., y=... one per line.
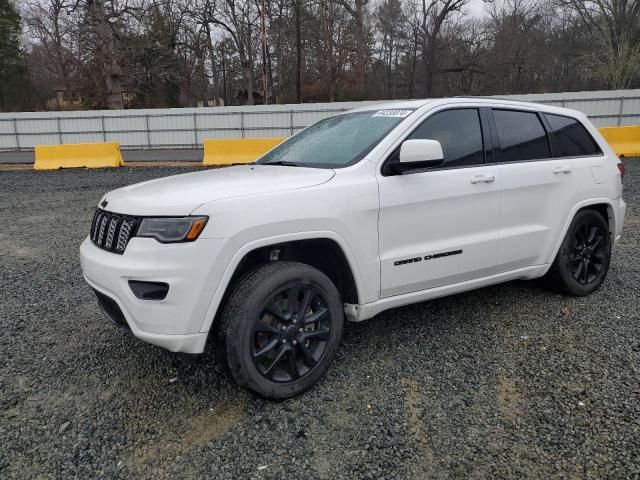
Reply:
x=570, y=138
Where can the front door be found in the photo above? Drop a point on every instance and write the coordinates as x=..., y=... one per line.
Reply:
x=440, y=226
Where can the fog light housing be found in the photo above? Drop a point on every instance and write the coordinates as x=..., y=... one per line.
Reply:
x=149, y=290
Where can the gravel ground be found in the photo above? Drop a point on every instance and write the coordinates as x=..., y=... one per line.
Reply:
x=509, y=381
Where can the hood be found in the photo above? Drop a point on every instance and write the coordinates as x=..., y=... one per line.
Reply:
x=181, y=194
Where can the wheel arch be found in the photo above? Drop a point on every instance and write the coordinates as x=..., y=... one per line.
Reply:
x=604, y=206
x=326, y=251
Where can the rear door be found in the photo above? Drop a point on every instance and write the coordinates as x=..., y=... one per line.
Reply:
x=536, y=188
x=439, y=226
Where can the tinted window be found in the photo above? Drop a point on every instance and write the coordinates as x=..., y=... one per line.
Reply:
x=570, y=138
x=459, y=133
x=522, y=136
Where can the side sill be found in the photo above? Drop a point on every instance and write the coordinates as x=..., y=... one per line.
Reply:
x=359, y=313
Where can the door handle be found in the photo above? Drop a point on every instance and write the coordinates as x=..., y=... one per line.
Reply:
x=562, y=169
x=483, y=179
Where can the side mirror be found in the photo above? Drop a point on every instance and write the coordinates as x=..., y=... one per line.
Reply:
x=423, y=153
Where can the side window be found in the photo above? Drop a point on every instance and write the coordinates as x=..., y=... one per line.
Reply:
x=570, y=138
x=522, y=136
x=460, y=134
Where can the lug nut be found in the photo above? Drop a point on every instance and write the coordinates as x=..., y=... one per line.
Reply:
x=284, y=340
x=300, y=330
x=295, y=342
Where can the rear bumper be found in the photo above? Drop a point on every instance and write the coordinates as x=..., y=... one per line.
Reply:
x=620, y=208
x=189, y=270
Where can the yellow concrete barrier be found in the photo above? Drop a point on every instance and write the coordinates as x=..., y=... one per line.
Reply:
x=89, y=155
x=625, y=141
x=237, y=150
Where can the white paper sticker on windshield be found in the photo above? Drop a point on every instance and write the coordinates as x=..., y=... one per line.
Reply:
x=392, y=113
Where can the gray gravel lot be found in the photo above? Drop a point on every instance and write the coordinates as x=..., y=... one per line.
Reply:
x=509, y=381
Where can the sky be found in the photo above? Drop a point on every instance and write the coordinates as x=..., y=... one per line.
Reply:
x=477, y=8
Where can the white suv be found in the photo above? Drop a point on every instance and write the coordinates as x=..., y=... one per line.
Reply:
x=365, y=211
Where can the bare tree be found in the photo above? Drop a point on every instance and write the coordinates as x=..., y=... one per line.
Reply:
x=106, y=56
x=99, y=19
x=239, y=19
x=390, y=23
x=514, y=38
x=468, y=46
x=298, y=21
x=358, y=10
x=333, y=43
x=616, y=25
x=434, y=14
x=182, y=52
x=49, y=24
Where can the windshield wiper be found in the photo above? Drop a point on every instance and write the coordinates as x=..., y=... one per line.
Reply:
x=284, y=163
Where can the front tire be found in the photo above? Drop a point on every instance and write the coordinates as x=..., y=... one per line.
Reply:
x=280, y=329
x=583, y=259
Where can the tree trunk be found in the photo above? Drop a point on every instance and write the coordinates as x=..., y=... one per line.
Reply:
x=247, y=71
x=414, y=62
x=263, y=40
x=246, y=59
x=212, y=55
x=361, y=47
x=428, y=55
x=106, y=56
x=298, y=20
x=248, y=82
x=224, y=77
x=270, y=72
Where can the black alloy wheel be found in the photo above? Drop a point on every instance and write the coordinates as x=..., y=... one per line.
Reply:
x=583, y=259
x=280, y=329
x=587, y=259
x=290, y=333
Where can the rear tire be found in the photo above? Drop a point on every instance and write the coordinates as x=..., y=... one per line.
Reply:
x=583, y=259
x=280, y=329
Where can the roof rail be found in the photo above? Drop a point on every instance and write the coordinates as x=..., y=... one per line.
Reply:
x=488, y=97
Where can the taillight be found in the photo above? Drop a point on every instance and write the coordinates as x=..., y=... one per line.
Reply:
x=621, y=168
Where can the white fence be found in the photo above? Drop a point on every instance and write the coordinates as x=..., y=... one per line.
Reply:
x=613, y=108
x=188, y=127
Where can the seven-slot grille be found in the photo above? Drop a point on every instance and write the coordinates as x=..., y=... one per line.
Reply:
x=111, y=231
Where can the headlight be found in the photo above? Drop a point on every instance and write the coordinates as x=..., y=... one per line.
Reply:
x=171, y=230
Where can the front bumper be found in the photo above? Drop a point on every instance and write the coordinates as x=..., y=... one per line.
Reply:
x=192, y=270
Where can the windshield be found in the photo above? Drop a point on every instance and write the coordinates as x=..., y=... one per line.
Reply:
x=337, y=141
